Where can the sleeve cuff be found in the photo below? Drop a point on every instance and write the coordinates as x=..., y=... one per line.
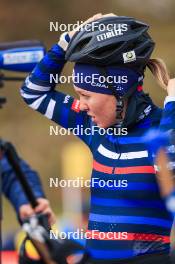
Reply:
x=64, y=41
x=169, y=99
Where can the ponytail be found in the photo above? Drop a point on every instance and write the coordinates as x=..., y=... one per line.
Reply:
x=160, y=71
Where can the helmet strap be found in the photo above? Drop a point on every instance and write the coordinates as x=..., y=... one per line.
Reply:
x=120, y=99
x=119, y=111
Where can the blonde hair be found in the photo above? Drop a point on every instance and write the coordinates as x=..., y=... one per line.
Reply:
x=160, y=71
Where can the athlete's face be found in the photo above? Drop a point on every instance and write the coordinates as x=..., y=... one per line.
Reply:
x=100, y=107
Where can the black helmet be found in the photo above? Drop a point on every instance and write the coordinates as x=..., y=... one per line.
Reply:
x=124, y=41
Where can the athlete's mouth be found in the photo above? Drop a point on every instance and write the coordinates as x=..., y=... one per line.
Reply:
x=92, y=116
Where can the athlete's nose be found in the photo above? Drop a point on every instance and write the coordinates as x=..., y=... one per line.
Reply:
x=83, y=105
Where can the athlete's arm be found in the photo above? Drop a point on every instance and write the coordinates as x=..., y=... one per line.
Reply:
x=40, y=94
x=12, y=188
x=166, y=178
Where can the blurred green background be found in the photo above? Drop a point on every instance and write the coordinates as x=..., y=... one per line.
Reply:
x=29, y=131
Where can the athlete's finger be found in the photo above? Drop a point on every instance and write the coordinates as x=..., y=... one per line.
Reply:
x=42, y=205
x=108, y=15
x=51, y=216
x=25, y=211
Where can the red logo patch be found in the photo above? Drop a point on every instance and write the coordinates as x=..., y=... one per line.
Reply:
x=139, y=88
x=76, y=106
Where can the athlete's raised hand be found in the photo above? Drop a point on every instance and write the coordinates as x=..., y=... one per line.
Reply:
x=43, y=206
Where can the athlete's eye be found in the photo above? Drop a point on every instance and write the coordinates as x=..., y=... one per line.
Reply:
x=85, y=96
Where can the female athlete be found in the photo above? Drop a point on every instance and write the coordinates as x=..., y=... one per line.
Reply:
x=128, y=219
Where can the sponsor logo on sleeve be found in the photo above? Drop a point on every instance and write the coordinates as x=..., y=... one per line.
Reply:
x=66, y=99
